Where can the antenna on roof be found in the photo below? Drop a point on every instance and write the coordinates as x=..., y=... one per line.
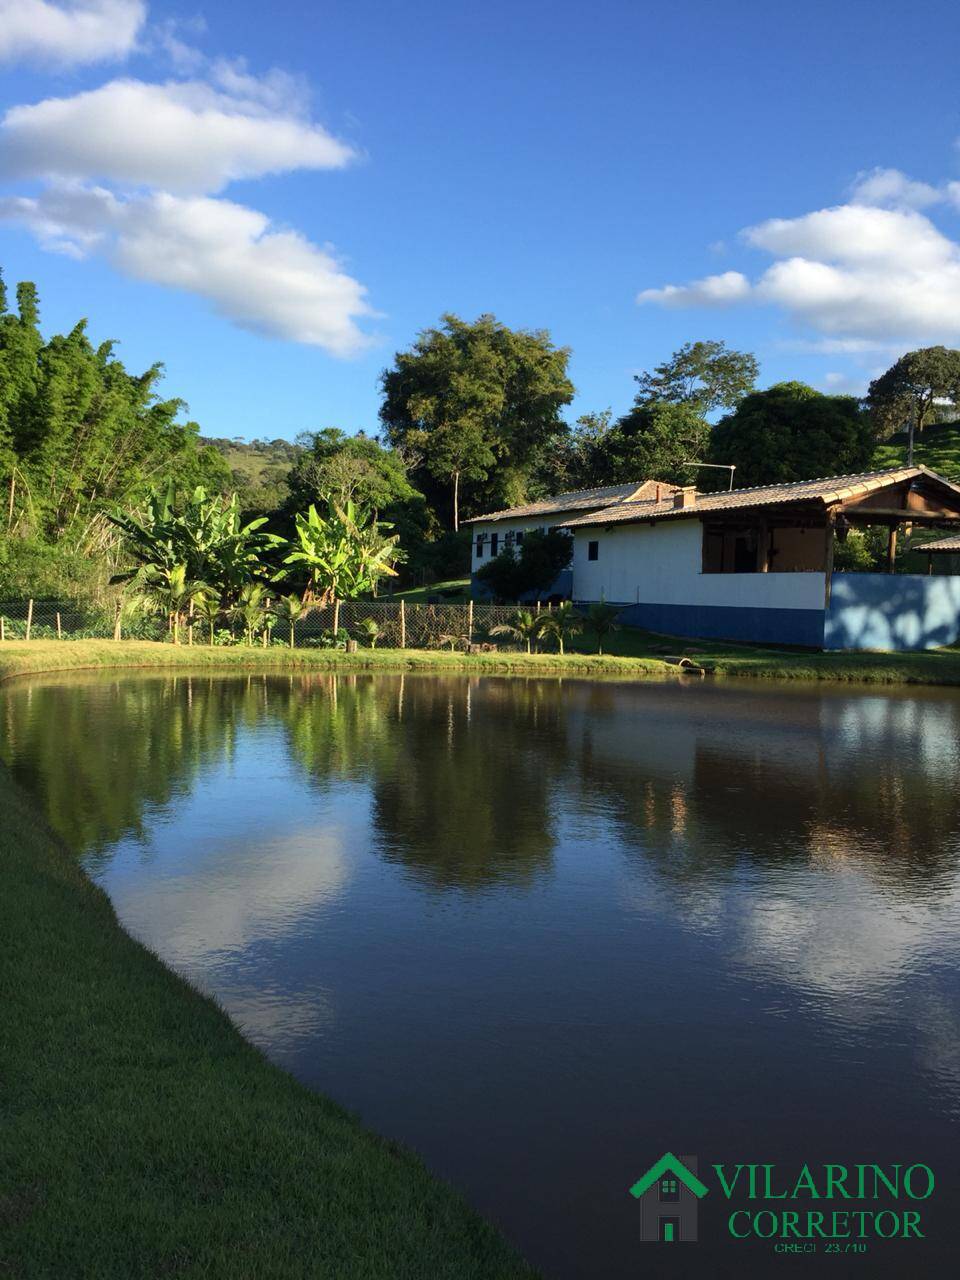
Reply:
x=715, y=466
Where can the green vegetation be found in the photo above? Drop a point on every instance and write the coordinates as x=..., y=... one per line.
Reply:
x=453, y=590
x=628, y=654
x=534, y=568
x=259, y=470
x=915, y=391
x=938, y=448
x=143, y=1136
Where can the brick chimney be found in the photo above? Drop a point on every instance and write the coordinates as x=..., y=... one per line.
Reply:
x=685, y=497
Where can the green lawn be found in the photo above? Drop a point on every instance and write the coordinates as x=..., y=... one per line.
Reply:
x=936, y=447
x=452, y=591
x=144, y=1137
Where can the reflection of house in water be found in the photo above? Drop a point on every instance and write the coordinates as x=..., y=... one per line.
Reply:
x=701, y=777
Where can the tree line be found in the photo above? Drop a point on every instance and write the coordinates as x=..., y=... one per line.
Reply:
x=473, y=418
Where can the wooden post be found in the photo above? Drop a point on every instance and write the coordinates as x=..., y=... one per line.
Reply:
x=929, y=564
x=470, y=621
x=336, y=617
x=3, y=629
x=763, y=548
x=829, y=542
x=116, y=620
x=59, y=632
x=29, y=617
x=190, y=625
x=403, y=624
x=892, y=549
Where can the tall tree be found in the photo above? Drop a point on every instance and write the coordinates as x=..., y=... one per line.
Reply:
x=915, y=391
x=792, y=432
x=654, y=441
x=704, y=375
x=475, y=403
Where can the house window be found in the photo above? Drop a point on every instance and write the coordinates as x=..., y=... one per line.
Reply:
x=593, y=550
x=494, y=543
x=669, y=1189
x=480, y=547
x=519, y=537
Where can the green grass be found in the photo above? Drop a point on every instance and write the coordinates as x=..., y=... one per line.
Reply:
x=144, y=1137
x=629, y=654
x=448, y=592
x=936, y=447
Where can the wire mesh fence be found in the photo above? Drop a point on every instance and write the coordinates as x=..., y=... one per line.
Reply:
x=372, y=623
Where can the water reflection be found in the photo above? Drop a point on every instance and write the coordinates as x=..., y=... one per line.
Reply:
x=541, y=929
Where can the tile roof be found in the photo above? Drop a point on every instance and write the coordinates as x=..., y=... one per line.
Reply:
x=580, y=500
x=941, y=544
x=827, y=490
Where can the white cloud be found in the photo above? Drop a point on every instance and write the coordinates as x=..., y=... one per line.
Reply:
x=183, y=136
x=266, y=279
x=69, y=34
x=855, y=273
x=711, y=291
x=892, y=189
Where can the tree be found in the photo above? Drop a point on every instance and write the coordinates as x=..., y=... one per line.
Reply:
x=342, y=555
x=334, y=466
x=792, y=432
x=653, y=441
x=476, y=402
x=534, y=568
x=911, y=393
x=290, y=609
x=600, y=621
x=167, y=589
x=560, y=623
x=524, y=626
x=704, y=375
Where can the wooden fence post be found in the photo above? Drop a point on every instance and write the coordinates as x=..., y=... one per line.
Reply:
x=59, y=632
x=29, y=617
x=470, y=621
x=116, y=620
x=3, y=629
x=403, y=624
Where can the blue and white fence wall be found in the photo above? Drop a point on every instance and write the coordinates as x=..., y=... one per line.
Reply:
x=655, y=572
x=892, y=611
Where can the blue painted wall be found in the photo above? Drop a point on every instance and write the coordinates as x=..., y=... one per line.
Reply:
x=715, y=622
x=892, y=611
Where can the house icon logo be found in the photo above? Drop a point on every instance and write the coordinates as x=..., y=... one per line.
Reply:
x=669, y=1194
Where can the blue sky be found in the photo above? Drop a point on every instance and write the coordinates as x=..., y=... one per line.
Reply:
x=278, y=197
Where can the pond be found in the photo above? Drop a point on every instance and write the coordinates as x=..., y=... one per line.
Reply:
x=543, y=931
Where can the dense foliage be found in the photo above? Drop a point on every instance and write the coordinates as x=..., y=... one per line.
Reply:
x=532, y=569
x=792, y=432
x=78, y=434
x=922, y=387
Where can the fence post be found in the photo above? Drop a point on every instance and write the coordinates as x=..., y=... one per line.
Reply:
x=116, y=620
x=470, y=621
x=403, y=624
x=59, y=632
x=538, y=606
x=29, y=617
x=3, y=629
x=336, y=617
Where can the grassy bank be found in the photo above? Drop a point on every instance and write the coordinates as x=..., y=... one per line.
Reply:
x=144, y=1137
x=631, y=654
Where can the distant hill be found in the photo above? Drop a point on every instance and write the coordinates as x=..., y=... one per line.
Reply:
x=937, y=447
x=259, y=468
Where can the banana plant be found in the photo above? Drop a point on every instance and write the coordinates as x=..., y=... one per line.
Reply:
x=342, y=554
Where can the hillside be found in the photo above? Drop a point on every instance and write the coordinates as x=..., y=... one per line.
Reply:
x=259, y=468
x=937, y=447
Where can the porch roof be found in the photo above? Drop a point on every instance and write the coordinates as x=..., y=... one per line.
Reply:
x=824, y=493
x=940, y=544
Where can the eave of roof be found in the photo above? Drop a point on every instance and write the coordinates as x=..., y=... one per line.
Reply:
x=940, y=544
x=825, y=491
x=574, y=500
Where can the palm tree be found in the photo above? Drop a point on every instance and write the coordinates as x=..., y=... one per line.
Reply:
x=159, y=588
x=560, y=623
x=251, y=609
x=371, y=630
x=209, y=607
x=600, y=621
x=524, y=626
x=290, y=609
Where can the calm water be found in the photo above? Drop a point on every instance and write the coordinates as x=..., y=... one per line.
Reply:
x=545, y=931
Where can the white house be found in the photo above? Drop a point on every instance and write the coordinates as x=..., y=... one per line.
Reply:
x=504, y=530
x=756, y=564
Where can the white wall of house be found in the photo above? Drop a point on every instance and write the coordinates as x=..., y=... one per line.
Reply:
x=501, y=528
x=662, y=564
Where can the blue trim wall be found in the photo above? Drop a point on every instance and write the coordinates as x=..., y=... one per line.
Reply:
x=717, y=622
x=892, y=611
